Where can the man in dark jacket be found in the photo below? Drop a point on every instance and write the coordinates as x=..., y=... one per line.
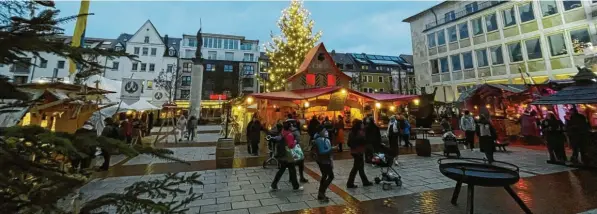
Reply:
x=111, y=130
x=312, y=127
x=254, y=129
x=578, y=133
x=83, y=162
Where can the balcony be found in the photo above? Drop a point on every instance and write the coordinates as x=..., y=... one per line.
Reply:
x=462, y=12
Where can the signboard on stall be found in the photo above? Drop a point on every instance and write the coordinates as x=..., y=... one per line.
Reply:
x=337, y=101
x=217, y=97
x=130, y=91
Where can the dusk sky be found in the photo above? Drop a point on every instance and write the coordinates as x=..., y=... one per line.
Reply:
x=369, y=27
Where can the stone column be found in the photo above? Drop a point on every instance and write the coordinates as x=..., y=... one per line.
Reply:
x=196, y=90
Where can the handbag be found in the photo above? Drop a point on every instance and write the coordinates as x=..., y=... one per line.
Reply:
x=297, y=153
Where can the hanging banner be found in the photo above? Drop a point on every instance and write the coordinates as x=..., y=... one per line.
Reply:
x=130, y=91
x=79, y=33
x=337, y=101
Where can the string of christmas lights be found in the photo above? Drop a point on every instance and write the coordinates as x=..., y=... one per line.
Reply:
x=287, y=50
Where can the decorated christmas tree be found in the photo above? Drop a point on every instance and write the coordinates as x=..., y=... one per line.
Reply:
x=287, y=51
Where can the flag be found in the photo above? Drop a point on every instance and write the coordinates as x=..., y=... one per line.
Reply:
x=79, y=33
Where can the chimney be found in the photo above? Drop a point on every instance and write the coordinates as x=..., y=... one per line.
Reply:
x=166, y=40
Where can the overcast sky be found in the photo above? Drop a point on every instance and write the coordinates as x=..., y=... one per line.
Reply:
x=359, y=27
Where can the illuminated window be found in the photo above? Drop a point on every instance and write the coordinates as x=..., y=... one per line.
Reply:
x=331, y=80
x=310, y=79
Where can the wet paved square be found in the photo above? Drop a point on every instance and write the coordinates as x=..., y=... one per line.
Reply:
x=184, y=153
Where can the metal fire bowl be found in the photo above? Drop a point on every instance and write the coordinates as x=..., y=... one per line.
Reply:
x=475, y=171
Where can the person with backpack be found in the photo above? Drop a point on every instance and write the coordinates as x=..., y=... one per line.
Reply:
x=356, y=142
x=329, y=126
x=467, y=124
x=487, y=137
x=285, y=159
x=323, y=157
x=111, y=130
x=405, y=131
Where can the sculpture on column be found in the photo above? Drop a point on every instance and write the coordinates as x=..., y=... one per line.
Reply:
x=198, y=57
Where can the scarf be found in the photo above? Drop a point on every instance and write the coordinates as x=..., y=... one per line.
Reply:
x=394, y=127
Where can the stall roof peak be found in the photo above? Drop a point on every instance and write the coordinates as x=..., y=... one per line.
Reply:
x=311, y=56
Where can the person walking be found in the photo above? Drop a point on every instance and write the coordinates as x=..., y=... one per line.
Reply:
x=373, y=136
x=329, y=126
x=356, y=142
x=111, y=130
x=339, y=128
x=553, y=132
x=405, y=131
x=467, y=124
x=578, y=133
x=254, y=129
x=181, y=125
x=285, y=160
x=149, y=123
x=191, y=128
x=126, y=129
x=323, y=152
x=296, y=133
x=528, y=126
x=412, y=120
x=394, y=134
x=487, y=137
x=78, y=163
x=312, y=128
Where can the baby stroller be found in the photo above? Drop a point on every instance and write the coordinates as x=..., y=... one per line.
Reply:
x=271, y=145
x=450, y=144
x=385, y=160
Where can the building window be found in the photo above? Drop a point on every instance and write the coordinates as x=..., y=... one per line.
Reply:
x=441, y=37
x=369, y=78
x=349, y=66
x=431, y=40
x=557, y=45
x=533, y=49
x=467, y=59
x=210, y=67
x=526, y=12
x=143, y=66
x=154, y=51
x=463, y=29
x=515, y=52
x=331, y=80
x=185, y=94
x=477, y=26
x=43, y=63
x=491, y=22
x=60, y=64
x=548, y=7
x=185, y=81
x=443, y=62
x=248, y=57
x=151, y=67
x=145, y=50
x=455, y=62
x=248, y=69
x=339, y=66
x=192, y=42
x=452, y=34
x=364, y=67
x=246, y=46
x=169, y=68
x=187, y=67
x=497, y=57
x=579, y=38
x=136, y=51
x=229, y=56
x=379, y=68
x=212, y=55
x=449, y=16
x=481, y=58
x=509, y=17
x=146, y=40
x=115, y=65
x=471, y=8
x=149, y=84
x=248, y=82
x=310, y=79
x=20, y=79
x=380, y=79
x=228, y=68
x=569, y=5
x=434, y=67
x=135, y=64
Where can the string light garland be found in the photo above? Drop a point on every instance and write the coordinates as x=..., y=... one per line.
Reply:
x=287, y=51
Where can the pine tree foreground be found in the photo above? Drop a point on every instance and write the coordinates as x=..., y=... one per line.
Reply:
x=34, y=175
x=287, y=51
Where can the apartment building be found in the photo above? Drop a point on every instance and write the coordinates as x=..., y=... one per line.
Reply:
x=457, y=44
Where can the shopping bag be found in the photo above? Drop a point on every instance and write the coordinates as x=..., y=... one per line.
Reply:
x=297, y=153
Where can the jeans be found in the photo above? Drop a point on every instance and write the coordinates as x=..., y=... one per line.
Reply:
x=291, y=173
x=301, y=168
x=357, y=166
x=254, y=147
x=191, y=134
x=470, y=138
x=406, y=138
x=327, y=175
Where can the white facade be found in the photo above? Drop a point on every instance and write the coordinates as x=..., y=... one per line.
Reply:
x=533, y=36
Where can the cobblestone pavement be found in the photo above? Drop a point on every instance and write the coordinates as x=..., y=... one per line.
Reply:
x=184, y=153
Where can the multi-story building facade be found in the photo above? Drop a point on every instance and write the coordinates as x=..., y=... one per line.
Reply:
x=376, y=73
x=457, y=44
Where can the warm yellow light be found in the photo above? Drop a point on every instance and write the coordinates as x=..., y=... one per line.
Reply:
x=392, y=108
x=239, y=107
x=249, y=100
x=488, y=106
x=476, y=107
x=306, y=104
x=343, y=91
x=543, y=108
x=416, y=101
x=378, y=105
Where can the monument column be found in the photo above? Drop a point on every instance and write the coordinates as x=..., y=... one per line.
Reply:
x=197, y=80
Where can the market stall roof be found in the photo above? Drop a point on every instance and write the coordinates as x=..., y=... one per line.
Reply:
x=64, y=86
x=512, y=88
x=311, y=55
x=303, y=94
x=578, y=94
x=142, y=105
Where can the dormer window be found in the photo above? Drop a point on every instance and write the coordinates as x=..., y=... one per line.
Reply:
x=146, y=39
x=118, y=48
x=171, y=52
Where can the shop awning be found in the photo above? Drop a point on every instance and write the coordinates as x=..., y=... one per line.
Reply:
x=389, y=97
x=510, y=88
x=578, y=94
x=304, y=94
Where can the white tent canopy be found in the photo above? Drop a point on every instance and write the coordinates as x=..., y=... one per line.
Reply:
x=106, y=84
x=142, y=105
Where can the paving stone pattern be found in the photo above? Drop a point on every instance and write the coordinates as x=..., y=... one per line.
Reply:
x=185, y=153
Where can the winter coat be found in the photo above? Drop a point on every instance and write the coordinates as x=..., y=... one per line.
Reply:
x=323, y=149
x=578, y=125
x=329, y=126
x=373, y=135
x=467, y=123
x=192, y=124
x=528, y=125
x=357, y=142
x=254, y=129
x=312, y=127
x=406, y=128
x=553, y=130
x=289, y=139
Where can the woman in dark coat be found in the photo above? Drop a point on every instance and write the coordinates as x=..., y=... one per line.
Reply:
x=357, y=142
x=254, y=129
x=553, y=132
x=373, y=141
x=487, y=137
x=312, y=127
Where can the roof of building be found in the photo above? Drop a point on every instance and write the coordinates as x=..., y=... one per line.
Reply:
x=407, y=58
x=342, y=58
x=411, y=18
x=311, y=56
x=263, y=56
x=303, y=94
